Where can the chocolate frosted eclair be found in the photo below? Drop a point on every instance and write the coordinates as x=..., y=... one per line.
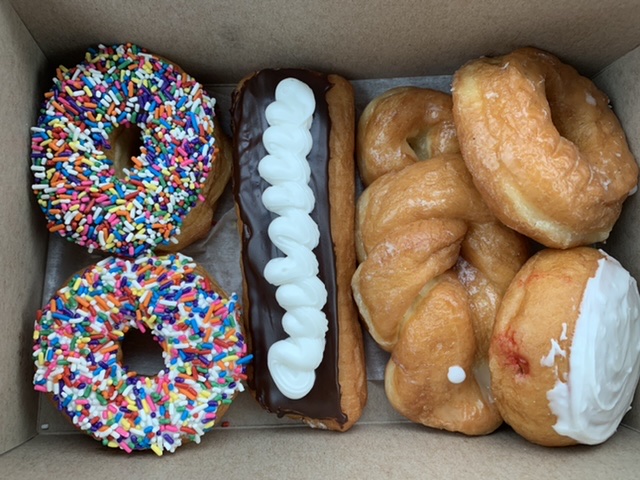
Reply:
x=294, y=189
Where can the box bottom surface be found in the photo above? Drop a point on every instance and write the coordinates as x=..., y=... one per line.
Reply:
x=366, y=451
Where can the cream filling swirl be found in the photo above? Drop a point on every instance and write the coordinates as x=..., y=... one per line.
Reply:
x=292, y=361
x=604, y=365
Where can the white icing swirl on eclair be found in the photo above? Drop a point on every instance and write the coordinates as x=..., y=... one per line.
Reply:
x=292, y=362
x=604, y=364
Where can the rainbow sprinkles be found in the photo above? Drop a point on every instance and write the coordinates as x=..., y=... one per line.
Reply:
x=77, y=339
x=76, y=184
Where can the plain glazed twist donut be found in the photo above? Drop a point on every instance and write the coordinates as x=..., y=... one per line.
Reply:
x=402, y=126
x=546, y=152
x=435, y=264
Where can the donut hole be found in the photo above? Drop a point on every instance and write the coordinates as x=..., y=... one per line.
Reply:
x=421, y=146
x=141, y=353
x=125, y=142
x=556, y=117
x=563, y=116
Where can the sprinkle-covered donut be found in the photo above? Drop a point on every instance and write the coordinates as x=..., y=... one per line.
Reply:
x=78, y=174
x=77, y=347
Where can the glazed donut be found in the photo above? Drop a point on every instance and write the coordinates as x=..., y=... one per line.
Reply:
x=546, y=152
x=77, y=348
x=96, y=186
x=403, y=126
x=294, y=187
x=435, y=264
x=565, y=355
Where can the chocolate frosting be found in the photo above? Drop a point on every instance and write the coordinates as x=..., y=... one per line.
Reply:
x=263, y=317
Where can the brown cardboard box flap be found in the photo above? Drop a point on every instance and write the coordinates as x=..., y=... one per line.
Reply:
x=22, y=238
x=221, y=42
x=366, y=451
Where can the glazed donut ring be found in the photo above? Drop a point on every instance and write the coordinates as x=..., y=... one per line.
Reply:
x=435, y=264
x=403, y=126
x=565, y=353
x=546, y=152
x=101, y=190
x=77, y=352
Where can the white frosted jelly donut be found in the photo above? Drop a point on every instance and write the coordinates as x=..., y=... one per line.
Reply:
x=73, y=163
x=77, y=346
x=565, y=352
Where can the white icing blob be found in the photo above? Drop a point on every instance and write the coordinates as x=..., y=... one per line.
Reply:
x=456, y=374
x=563, y=335
x=555, y=350
x=604, y=364
x=292, y=361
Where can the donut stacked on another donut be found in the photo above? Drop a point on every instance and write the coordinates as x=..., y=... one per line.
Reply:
x=546, y=152
x=167, y=193
x=77, y=351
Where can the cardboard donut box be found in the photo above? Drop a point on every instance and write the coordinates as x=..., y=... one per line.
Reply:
x=376, y=44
